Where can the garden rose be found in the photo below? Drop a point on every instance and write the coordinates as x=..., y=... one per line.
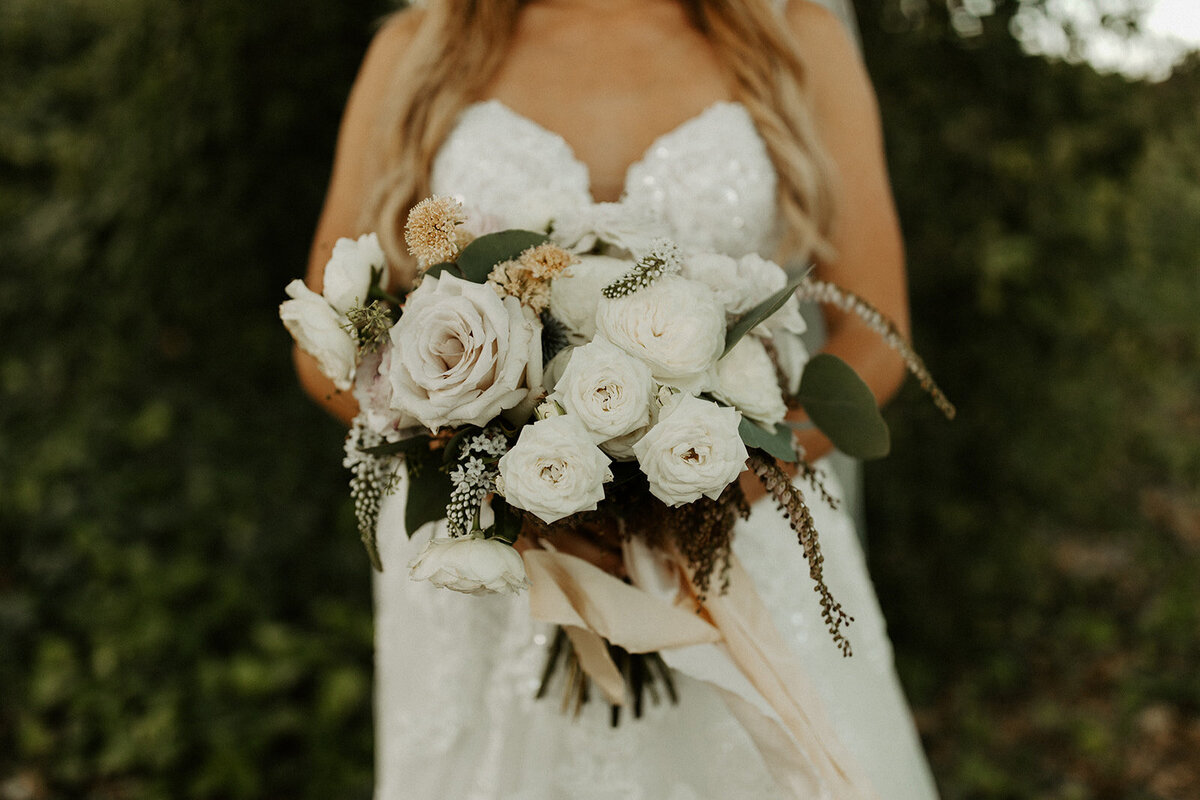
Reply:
x=575, y=294
x=463, y=354
x=607, y=389
x=470, y=565
x=318, y=330
x=675, y=325
x=694, y=450
x=746, y=380
x=554, y=469
x=348, y=272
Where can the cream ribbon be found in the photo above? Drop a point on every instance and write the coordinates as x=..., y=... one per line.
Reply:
x=728, y=642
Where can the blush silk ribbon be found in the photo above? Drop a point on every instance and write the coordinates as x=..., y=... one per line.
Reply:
x=728, y=642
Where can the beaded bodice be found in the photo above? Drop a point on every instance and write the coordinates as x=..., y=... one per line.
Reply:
x=708, y=183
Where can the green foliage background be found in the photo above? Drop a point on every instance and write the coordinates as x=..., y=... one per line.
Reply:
x=184, y=605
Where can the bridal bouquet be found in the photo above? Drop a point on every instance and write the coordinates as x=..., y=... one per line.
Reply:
x=536, y=381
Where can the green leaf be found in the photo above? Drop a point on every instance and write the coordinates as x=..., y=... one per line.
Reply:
x=841, y=405
x=445, y=266
x=508, y=521
x=778, y=442
x=479, y=257
x=428, y=493
x=405, y=447
x=758, y=314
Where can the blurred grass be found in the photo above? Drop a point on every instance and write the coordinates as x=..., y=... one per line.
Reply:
x=184, y=605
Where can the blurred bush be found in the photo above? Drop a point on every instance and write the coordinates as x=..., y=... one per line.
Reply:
x=184, y=606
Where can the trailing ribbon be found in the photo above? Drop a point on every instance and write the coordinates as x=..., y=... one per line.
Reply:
x=727, y=641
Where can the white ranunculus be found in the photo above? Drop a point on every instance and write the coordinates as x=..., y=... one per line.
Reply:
x=694, y=450
x=607, y=389
x=463, y=354
x=575, y=295
x=554, y=469
x=318, y=330
x=675, y=325
x=348, y=272
x=373, y=391
x=746, y=380
x=470, y=565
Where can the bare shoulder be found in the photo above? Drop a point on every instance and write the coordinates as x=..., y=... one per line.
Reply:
x=395, y=35
x=835, y=73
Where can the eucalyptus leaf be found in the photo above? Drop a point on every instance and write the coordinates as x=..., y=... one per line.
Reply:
x=842, y=406
x=758, y=314
x=444, y=267
x=428, y=493
x=479, y=257
x=778, y=443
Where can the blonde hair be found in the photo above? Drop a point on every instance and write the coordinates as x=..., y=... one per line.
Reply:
x=460, y=44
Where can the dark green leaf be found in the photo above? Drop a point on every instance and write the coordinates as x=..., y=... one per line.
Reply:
x=406, y=447
x=428, y=493
x=508, y=521
x=479, y=257
x=758, y=314
x=843, y=408
x=778, y=442
x=445, y=266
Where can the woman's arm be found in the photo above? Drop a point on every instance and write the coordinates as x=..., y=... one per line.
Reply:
x=350, y=184
x=869, y=253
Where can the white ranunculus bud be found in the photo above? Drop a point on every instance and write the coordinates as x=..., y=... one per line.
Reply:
x=548, y=408
x=694, y=450
x=554, y=470
x=792, y=355
x=608, y=389
x=746, y=380
x=575, y=294
x=675, y=325
x=348, y=272
x=318, y=330
x=471, y=565
x=463, y=354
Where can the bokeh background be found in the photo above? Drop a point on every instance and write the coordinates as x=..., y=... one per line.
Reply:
x=184, y=605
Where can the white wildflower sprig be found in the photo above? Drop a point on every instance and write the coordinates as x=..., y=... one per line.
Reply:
x=661, y=259
x=372, y=478
x=473, y=478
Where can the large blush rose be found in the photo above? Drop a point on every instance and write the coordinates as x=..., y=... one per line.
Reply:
x=675, y=325
x=463, y=354
x=554, y=469
x=319, y=331
x=694, y=450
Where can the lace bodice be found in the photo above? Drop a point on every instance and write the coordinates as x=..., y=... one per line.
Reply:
x=709, y=182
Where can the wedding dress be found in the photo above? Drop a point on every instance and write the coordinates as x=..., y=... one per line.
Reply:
x=456, y=675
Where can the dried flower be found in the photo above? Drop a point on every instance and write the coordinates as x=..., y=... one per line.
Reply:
x=431, y=231
x=546, y=261
x=514, y=279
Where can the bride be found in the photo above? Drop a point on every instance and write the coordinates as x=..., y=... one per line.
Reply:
x=741, y=127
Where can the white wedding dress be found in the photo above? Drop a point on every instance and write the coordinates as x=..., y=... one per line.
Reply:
x=455, y=710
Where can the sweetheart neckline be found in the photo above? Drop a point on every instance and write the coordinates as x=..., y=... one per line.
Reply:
x=696, y=119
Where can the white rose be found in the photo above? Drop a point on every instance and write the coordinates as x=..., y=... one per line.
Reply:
x=607, y=389
x=746, y=380
x=575, y=295
x=554, y=470
x=621, y=447
x=694, y=450
x=675, y=325
x=348, y=272
x=741, y=284
x=463, y=354
x=373, y=391
x=470, y=565
x=556, y=366
x=792, y=355
x=317, y=329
